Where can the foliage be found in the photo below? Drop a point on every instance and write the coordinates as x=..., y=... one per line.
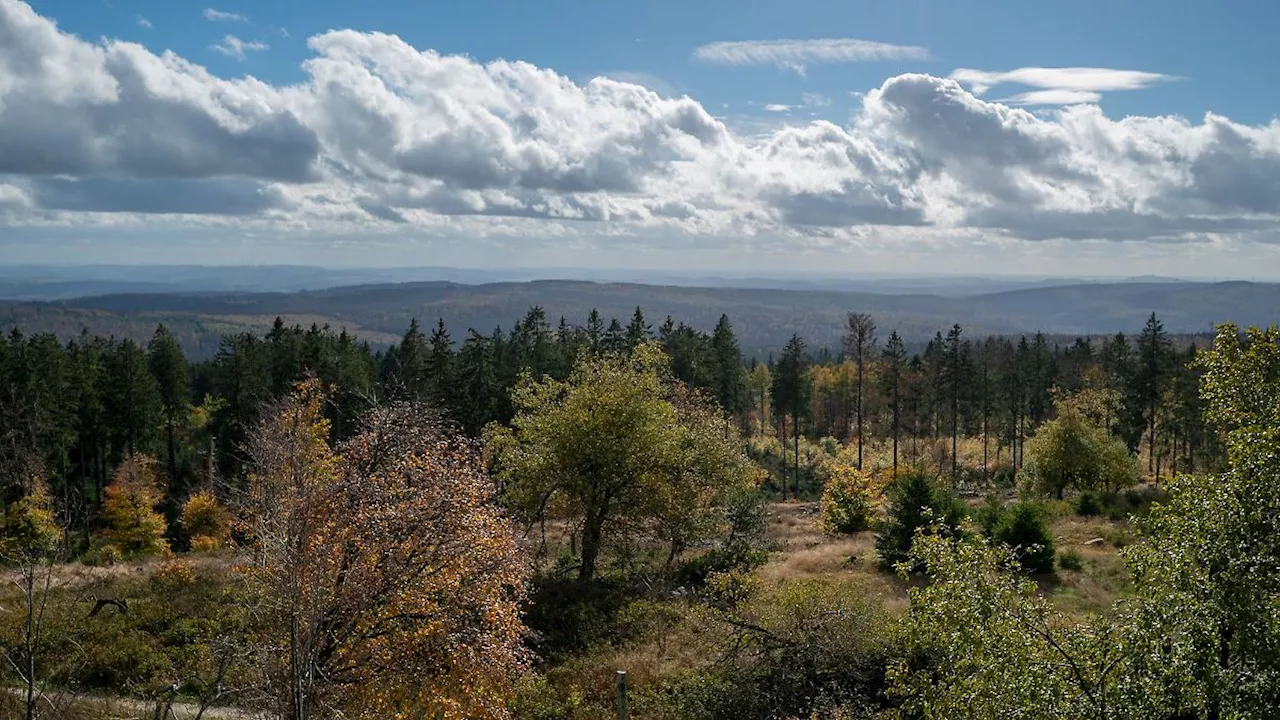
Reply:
x=206, y=522
x=1087, y=504
x=30, y=528
x=391, y=580
x=1071, y=452
x=982, y=643
x=621, y=451
x=1206, y=569
x=914, y=501
x=850, y=500
x=1070, y=560
x=1024, y=529
x=133, y=524
x=807, y=646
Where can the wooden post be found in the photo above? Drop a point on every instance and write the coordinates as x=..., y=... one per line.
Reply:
x=622, y=695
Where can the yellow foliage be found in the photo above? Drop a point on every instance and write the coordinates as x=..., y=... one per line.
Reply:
x=206, y=520
x=174, y=575
x=205, y=544
x=30, y=529
x=133, y=525
x=851, y=499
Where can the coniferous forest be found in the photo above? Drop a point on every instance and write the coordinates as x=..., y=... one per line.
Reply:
x=495, y=525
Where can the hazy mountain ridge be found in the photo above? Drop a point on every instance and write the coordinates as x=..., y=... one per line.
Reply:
x=764, y=318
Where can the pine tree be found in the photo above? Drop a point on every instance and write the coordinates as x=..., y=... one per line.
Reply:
x=894, y=357
x=439, y=367
x=791, y=396
x=953, y=378
x=859, y=343
x=1150, y=376
x=637, y=330
x=169, y=367
x=615, y=339
x=595, y=332
x=729, y=373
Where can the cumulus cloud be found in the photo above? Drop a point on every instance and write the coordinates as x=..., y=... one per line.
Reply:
x=379, y=136
x=798, y=54
x=220, y=16
x=234, y=47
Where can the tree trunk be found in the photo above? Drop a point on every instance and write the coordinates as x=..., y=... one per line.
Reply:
x=795, y=433
x=592, y=531
x=858, y=409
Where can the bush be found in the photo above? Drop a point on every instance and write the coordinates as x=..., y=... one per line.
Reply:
x=29, y=529
x=133, y=525
x=206, y=522
x=1070, y=560
x=174, y=575
x=914, y=501
x=848, y=501
x=1088, y=504
x=1025, y=529
x=989, y=515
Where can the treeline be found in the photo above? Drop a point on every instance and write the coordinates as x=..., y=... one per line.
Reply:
x=998, y=389
x=71, y=412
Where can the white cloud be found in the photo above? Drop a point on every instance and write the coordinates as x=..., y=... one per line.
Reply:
x=777, y=107
x=1055, y=97
x=379, y=137
x=1059, y=86
x=234, y=47
x=220, y=16
x=812, y=99
x=798, y=54
x=143, y=22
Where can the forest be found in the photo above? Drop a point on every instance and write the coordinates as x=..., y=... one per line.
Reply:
x=495, y=525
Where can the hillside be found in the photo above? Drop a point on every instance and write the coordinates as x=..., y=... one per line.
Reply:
x=763, y=318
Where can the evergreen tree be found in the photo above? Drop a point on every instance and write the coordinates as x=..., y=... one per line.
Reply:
x=894, y=358
x=637, y=330
x=595, y=332
x=1150, y=376
x=953, y=378
x=439, y=367
x=133, y=400
x=791, y=396
x=859, y=343
x=615, y=339
x=730, y=377
x=169, y=367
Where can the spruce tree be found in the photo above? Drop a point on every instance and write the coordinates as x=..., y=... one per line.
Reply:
x=172, y=375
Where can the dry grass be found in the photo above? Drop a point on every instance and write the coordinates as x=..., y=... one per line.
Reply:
x=805, y=551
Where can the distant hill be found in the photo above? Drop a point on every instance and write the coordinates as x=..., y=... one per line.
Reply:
x=764, y=318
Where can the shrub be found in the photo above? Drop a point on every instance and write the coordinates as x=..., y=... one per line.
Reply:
x=849, y=501
x=174, y=575
x=989, y=515
x=205, y=521
x=1088, y=504
x=29, y=529
x=133, y=525
x=1070, y=560
x=914, y=501
x=1025, y=529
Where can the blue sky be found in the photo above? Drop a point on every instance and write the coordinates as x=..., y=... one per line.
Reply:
x=962, y=135
x=1219, y=51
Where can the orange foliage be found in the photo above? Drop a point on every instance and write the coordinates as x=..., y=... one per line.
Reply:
x=387, y=563
x=133, y=525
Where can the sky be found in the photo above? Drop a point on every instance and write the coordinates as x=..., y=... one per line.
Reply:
x=833, y=136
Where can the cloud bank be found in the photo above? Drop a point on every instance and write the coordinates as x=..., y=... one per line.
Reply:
x=382, y=136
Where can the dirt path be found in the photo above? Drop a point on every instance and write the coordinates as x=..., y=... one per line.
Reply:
x=114, y=708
